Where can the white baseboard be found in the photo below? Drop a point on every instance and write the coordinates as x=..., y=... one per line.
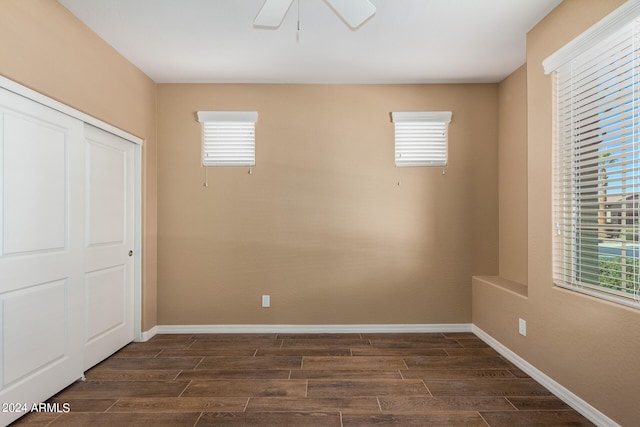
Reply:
x=317, y=329
x=589, y=412
x=147, y=335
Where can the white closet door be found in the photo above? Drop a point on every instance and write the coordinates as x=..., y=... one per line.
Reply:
x=109, y=238
x=41, y=252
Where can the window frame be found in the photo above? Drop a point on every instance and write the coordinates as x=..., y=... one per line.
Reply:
x=578, y=161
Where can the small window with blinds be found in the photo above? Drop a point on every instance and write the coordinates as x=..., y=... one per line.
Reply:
x=421, y=138
x=597, y=166
x=228, y=138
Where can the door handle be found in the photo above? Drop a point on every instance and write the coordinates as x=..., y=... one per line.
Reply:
x=130, y=253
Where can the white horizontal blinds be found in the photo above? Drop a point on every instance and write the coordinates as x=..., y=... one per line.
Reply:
x=421, y=138
x=597, y=168
x=228, y=144
x=228, y=138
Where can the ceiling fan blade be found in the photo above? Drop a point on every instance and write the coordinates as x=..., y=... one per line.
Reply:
x=272, y=13
x=354, y=12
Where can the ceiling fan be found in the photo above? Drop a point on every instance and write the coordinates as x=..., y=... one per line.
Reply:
x=353, y=12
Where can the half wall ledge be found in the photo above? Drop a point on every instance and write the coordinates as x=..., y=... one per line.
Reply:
x=500, y=282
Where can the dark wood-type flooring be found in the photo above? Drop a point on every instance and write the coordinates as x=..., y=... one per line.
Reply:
x=308, y=380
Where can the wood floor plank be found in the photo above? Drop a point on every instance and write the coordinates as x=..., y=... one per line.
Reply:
x=155, y=363
x=172, y=337
x=460, y=335
x=129, y=352
x=472, y=343
x=454, y=374
x=320, y=336
x=181, y=404
x=246, y=388
x=111, y=419
x=395, y=344
x=518, y=373
x=486, y=387
x=403, y=352
x=227, y=374
x=346, y=374
x=478, y=351
x=123, y=389
x=207, y=352
x=456, y=362
x=536, y=403
x=417, y=337
x=156, y=343
x=101, y=374
x=235, y=341
x=324, y=343
x=352, y=388
x=406, y=336
x=349, y=363
x=214, y=345
x=265, y=362
x=535, y=418
x=225, y=337
x=466, y=419
x=270, y=419
x=411, y=404
x=301, y=351
x=365, y=405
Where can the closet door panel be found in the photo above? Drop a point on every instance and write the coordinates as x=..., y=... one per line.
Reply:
x=35, y=342
x=41, y=251
x=35, y=190
x=106, y=295
x=109, y=239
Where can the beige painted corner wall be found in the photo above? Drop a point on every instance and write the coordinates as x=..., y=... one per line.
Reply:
x=512, y=170
x=321, y=225
x=588, y=345
x=45, y=48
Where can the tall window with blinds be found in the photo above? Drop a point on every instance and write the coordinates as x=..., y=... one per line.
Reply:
x=228, y=138
x=421, y=138
x=596, y=167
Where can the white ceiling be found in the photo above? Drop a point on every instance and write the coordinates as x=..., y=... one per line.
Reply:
x=406, y=41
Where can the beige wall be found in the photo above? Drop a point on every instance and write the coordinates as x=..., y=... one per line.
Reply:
x=512, y=170
x=588, y=345
x=322, y=225
x=44, y=47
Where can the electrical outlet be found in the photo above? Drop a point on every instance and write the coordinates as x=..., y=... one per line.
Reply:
x=522, y=327
x=266, y=301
